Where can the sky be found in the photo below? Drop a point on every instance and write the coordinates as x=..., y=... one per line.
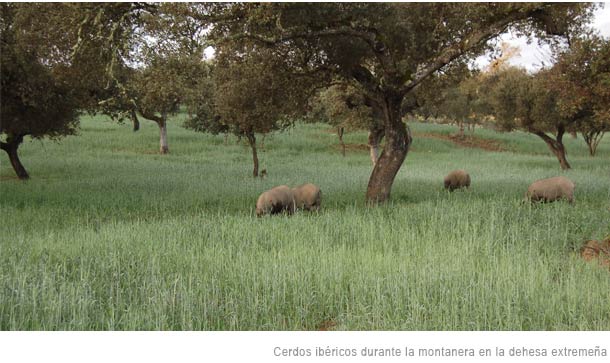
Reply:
x=533, y=57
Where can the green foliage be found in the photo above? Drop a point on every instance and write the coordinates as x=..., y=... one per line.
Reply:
x=581, y=78
x=345, y=106
x=255, y=92
x=521, y=101
x=37, y=98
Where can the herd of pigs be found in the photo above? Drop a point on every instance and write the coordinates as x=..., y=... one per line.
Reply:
x=283, y=199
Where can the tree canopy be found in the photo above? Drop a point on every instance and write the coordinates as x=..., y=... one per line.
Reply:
x=581, y=80
x=388, y=49
x=37, y=94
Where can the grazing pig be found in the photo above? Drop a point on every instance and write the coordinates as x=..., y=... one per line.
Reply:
x=551, y=189
x=307, y=196
x=457, y=179
x=276, y=200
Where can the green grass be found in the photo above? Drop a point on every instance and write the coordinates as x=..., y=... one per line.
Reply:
x=109, y=235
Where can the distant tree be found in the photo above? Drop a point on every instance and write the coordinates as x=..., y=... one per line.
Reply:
x=521, y=101
x=389, y=49
x=37, y=93
x=253, y=94
x=346, y=107
x=452, y=97
x=147, y=59
x=581, y=80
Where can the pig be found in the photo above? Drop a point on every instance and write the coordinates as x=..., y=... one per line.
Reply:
x=276, y=200
x=457, y=179
x=308, y=197
x=551, y=189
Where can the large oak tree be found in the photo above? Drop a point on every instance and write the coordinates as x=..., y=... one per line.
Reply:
x=389, y=49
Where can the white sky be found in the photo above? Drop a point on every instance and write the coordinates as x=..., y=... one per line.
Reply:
x=532, y=56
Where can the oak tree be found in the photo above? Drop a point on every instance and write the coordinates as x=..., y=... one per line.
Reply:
x=581, y=80
x=38, y=95
x=389, y=49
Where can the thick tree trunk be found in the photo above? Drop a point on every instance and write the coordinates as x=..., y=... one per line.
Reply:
x=340, y=131
x=398, y=140
x=252, y=142
x=375, y=136
x=556, y=147
x=163, y=147
x=10, y=147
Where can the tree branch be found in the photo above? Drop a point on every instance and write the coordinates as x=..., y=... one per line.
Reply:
x=472, y=41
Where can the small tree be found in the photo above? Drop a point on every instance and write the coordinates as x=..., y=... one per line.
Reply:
x=145, y=57
x=581, y=80
x=36, y=96
x=521, y=101
x=345, y=107
x=253, y=94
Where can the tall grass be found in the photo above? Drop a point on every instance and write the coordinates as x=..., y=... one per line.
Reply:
x=109, y=235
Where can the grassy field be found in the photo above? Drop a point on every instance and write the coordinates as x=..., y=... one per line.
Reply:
x=109, y=235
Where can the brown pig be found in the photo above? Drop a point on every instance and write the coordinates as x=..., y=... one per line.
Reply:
x=307, y=196
x=457, y=179
x=276, y=200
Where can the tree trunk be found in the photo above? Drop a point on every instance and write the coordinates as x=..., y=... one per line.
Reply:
x=592, y=138
x=226, y=139
x=263, y=142
x=398, y=140
x=134, y=119
x=556, y=147
x=375, y=136
x=10, y=146
x=252, y=141
x=461, y=132
x=162, y=123
x=340, y=131
x=163, y=147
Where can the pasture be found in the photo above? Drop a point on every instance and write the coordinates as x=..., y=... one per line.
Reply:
x=109, y=235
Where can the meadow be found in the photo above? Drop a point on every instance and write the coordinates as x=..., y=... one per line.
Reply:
x=109, y=235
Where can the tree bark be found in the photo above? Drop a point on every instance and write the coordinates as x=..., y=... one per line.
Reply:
x=398, y=140
x=162, y=123
x=252, y=142
x=10, y=147
x=375, y=136
x=163, y=147
x=556, y=147
x=340, y=131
